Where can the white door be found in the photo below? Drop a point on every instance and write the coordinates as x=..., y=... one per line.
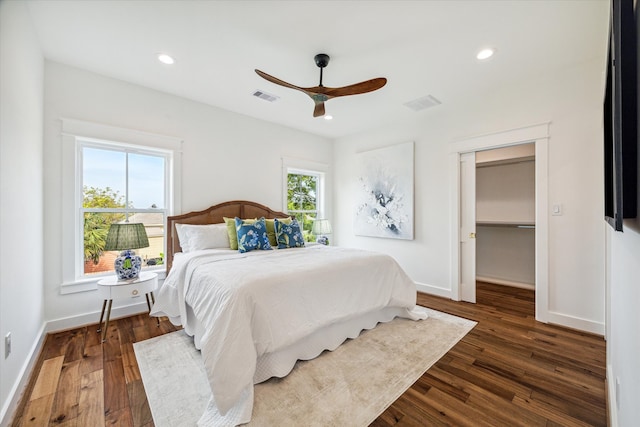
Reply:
x=468, y=227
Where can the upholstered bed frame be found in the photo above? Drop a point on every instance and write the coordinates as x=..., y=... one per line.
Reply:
x=214, y=215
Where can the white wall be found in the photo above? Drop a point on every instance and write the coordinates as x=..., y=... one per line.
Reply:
x=21, y=299
x=571, y=100
x=506, y=255
x=623, y=340
x=506, y=192
x=226, y=156
x=623, y=313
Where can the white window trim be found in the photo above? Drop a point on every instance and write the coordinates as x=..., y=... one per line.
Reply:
x=74, y=131
x=306, y=167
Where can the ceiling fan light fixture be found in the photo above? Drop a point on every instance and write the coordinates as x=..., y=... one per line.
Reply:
x=485, y=53
x=320, y=94
x=166, y=59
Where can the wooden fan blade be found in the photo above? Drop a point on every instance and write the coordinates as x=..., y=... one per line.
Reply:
x=318, y=111
x=354, y=89
x=278, y=81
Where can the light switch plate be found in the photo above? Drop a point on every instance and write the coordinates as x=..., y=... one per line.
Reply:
x=7, y=345
x=556, y=209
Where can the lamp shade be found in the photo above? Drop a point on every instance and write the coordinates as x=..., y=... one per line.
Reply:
x=126, y=236
x=321, y=226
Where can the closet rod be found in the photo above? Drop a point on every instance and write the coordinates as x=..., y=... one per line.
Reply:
x=505, y=224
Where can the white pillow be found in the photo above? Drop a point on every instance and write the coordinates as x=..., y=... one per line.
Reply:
x=198, y=237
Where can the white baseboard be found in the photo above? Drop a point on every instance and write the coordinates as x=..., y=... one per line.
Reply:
x=612, y=398
x=93, y=317
x=433, y=290
x=506, y=282
x=16, y=392
x=13, y=399
x=576, y=323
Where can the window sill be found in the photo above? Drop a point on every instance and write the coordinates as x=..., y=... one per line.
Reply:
x=91, y=284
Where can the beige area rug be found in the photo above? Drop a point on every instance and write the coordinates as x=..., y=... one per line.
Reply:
x=349, y=386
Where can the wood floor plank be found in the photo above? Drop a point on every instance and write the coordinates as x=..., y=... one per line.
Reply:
x=38, y=411
x=140, y=410
x=450, y=407
x=75, y=345
x=91, y=400
x=91, y=359
x=129, y=364
x=65, y=406
x=48, y=377
x=509, y=370
x=551, y=413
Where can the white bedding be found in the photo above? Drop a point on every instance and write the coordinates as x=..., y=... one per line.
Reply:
x=261, y=302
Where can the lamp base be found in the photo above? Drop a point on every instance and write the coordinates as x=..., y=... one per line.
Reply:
x=323, y=240
x=128, y=265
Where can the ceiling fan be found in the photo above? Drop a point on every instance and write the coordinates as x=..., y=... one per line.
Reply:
x=321, y=93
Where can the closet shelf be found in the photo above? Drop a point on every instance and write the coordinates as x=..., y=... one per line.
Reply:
x=514, y=224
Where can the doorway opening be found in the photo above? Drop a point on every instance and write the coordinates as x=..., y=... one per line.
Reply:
x=465, y=229
x=505, y=216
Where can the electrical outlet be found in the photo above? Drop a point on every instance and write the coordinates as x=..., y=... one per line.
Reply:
x=7, y=345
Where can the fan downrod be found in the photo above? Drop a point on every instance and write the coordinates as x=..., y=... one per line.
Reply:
x=322, y=60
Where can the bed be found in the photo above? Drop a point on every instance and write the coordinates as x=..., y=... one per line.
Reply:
x=254, y=313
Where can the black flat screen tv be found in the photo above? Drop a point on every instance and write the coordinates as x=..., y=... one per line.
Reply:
x=620, y=117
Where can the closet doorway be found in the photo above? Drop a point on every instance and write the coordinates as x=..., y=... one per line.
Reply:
x=505, y=216
x=466, y=232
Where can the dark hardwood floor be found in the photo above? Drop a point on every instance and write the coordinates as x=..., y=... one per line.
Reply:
x=508, y=371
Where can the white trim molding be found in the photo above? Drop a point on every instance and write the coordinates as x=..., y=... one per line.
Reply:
x=433, y=290
x=538, y=134
x=73, y=132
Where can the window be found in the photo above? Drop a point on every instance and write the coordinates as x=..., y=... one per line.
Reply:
x=304, y=188
x=120, y=183
x=112, y=174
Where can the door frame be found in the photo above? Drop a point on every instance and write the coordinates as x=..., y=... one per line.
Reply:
x=539, y=135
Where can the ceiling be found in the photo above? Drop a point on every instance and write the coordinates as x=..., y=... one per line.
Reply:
x=421, y=47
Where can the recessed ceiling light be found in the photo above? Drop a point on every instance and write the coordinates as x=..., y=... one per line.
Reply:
x=485, y=54
x=328, y=117
x=165, y=59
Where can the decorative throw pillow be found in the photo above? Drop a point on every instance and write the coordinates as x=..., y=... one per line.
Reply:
x=289, y=235
x=231, y=231
x=252, y=235
x=271, y=229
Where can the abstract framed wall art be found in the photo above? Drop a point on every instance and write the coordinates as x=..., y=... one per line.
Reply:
x=384, y=202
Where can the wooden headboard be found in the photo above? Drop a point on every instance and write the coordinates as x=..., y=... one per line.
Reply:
x=214, y=215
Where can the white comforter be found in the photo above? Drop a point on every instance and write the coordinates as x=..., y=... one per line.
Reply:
x=262, y=301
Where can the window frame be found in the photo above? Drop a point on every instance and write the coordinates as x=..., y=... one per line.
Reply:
x=306, y=167
x=78, y=134
x=82, y=143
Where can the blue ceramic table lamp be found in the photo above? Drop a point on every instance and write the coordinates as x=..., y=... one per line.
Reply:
x=125, y=237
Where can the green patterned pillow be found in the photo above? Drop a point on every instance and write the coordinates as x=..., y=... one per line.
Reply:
x=271, y=229
x=289, y=235
x=252, y=235
x=231, y=231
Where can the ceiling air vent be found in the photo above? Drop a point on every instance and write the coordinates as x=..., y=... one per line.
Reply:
x=423, y=103
x=266, y=96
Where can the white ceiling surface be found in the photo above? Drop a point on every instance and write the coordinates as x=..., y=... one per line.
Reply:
x=421, y=47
